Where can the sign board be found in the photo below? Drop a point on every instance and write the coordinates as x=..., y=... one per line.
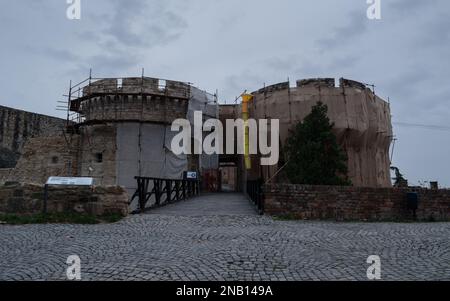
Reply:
x=191, y=175
x=74, y=181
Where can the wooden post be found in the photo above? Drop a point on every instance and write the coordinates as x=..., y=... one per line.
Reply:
x=44, y=209
x=169, y=191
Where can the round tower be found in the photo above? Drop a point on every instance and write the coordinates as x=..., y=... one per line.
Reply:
x=362, y=122
x=124, y=127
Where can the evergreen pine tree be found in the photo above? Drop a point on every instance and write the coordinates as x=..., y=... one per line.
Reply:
x=315, y=158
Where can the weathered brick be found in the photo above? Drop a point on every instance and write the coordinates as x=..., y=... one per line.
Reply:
x=353, y=203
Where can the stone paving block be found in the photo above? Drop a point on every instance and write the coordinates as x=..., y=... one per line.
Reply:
x=188, y=242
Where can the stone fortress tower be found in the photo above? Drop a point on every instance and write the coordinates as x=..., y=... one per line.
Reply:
x=362, y=123
x=119, y=128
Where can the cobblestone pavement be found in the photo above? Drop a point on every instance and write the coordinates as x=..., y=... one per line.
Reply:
x=175, y=243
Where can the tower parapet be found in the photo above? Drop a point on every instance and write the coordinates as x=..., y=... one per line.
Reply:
x=316, y=82
x=348, y=83
x=142, y=99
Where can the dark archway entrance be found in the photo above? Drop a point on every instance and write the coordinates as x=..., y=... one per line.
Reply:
x=230, y=173
x=228, y=177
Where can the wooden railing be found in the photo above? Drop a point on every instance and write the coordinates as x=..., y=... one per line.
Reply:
x=165, y=191
x=255, y=193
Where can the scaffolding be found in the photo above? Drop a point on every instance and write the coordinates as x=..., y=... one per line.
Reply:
x=116, y=87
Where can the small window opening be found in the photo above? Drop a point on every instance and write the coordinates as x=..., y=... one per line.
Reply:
x=99, y=157
x=55, y=160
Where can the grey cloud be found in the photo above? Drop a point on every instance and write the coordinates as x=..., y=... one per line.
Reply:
x=408, y=81
x=60, y=54
x=436, y=33
x=246, y=80
x=128, y=33
x=343, y=62
x=404, y=7
x=405, y=54
x=108, y=64
x=356, y=26
x=140, y=24
x=280, y=64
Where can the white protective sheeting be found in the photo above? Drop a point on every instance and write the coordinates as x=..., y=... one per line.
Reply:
x=205, y=102
x=143, y=149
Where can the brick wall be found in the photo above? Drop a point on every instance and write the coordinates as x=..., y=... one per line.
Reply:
x=353, y=203
x=29, y=199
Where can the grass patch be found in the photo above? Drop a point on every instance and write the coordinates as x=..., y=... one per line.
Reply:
x=285, y=217
x=111, y=218
x=58, y=218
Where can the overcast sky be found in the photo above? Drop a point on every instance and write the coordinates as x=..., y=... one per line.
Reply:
x=233, y=45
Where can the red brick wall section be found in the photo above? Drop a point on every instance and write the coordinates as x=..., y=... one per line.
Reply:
x=353, y=203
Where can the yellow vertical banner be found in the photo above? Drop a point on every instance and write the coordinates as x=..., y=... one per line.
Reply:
x=246, y=99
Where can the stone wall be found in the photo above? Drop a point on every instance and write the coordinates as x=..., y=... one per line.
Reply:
x=17, y=126
x=146, y=85
x=98, y=153
x=353, y=203
x=134, y=99
x=134, y=108
x=44, y=157
x=4, y=174
x=29, y=199
x=92, y=153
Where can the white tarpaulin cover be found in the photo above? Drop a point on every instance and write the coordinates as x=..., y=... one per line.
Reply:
x=205, y=102
x=144, y=149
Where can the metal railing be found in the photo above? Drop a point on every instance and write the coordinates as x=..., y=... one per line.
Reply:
x=255, y=193
x=165, y=191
